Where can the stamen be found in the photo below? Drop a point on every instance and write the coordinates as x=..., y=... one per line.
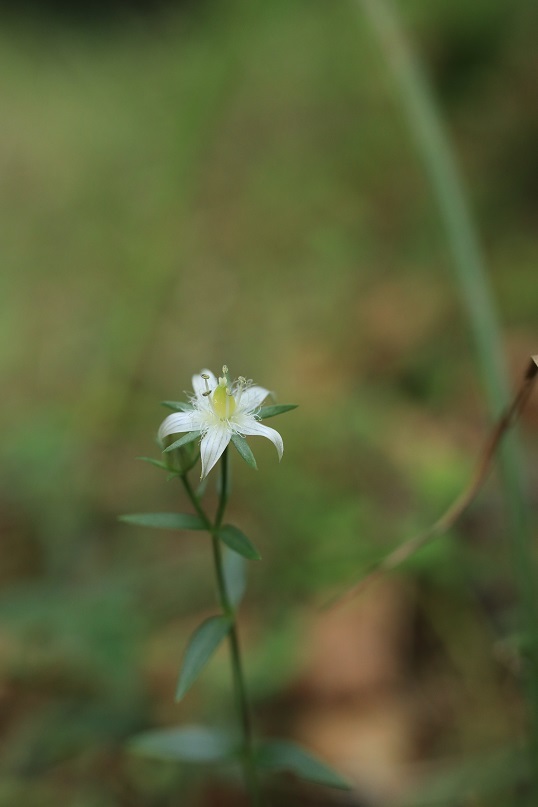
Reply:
x=206, y=377
x=224, y=370
x=241, y=384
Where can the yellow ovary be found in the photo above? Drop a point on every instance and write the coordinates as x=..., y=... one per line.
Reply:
x=223, y=402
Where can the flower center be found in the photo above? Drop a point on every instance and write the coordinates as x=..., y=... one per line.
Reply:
x=223, y=401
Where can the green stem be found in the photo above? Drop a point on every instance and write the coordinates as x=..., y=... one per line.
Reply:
x=468, y=264
x=249, y=763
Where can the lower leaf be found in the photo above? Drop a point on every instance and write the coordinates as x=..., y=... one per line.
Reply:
x=193, y=743
x=288, y=756
x=238, y=541
x=202, y=644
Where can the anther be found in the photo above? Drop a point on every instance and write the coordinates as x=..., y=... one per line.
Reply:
x=206, y=393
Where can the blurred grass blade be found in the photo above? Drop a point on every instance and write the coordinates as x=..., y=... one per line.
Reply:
x=202, y=644
x=195, y=743
x=238, y=542
x=165, y=521
x=282, y=755
x=436, y=153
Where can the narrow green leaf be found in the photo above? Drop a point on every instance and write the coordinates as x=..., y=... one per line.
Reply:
x=177, y=406
x=165, y=521
x=187, y=438
x=288, y=756
x=238, y=541
x=202, y=644
x=235, y=576
x=186, y=744
x=278, y=409
x=156, y=463
x=244, y=449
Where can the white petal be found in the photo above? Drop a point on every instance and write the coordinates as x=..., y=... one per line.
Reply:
x=199, y=384
x=212, y=446
x=265, y=431
x=252, y=398
x=178, y=422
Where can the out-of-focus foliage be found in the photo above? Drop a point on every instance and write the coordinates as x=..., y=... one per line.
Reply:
x=234, y=182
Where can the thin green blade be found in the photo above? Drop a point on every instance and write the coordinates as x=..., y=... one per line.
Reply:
x=288, y=756
x=165, y=521
x=187, y=438
x=202, y=644
x=238, y=541
x=177, y=406
x=157, y=463
x=195, y=743
x=244, y=449
x=278, y=409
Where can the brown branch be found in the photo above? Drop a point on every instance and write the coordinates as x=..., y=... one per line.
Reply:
x=457, y=508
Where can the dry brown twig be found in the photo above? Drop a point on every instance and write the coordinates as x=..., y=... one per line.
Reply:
x=458, y=507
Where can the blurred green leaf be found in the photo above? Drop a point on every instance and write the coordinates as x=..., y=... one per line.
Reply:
x=177, y=406
x=238, y=541
x=156, y=463
x=187, y=438
x=235, y=576
x=202, y=644
x=165, y=521
x=244, y=449
x=278, y=409
x=193, y=743
x=287, y=756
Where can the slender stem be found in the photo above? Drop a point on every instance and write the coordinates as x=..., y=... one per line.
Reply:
x=468, y=264
x=249, y=764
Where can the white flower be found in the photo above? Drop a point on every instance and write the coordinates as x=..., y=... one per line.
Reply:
x=220, y=410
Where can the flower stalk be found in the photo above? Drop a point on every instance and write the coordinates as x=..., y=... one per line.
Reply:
x=243, y=708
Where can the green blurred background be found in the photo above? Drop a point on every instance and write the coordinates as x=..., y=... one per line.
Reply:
x=190, y=184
